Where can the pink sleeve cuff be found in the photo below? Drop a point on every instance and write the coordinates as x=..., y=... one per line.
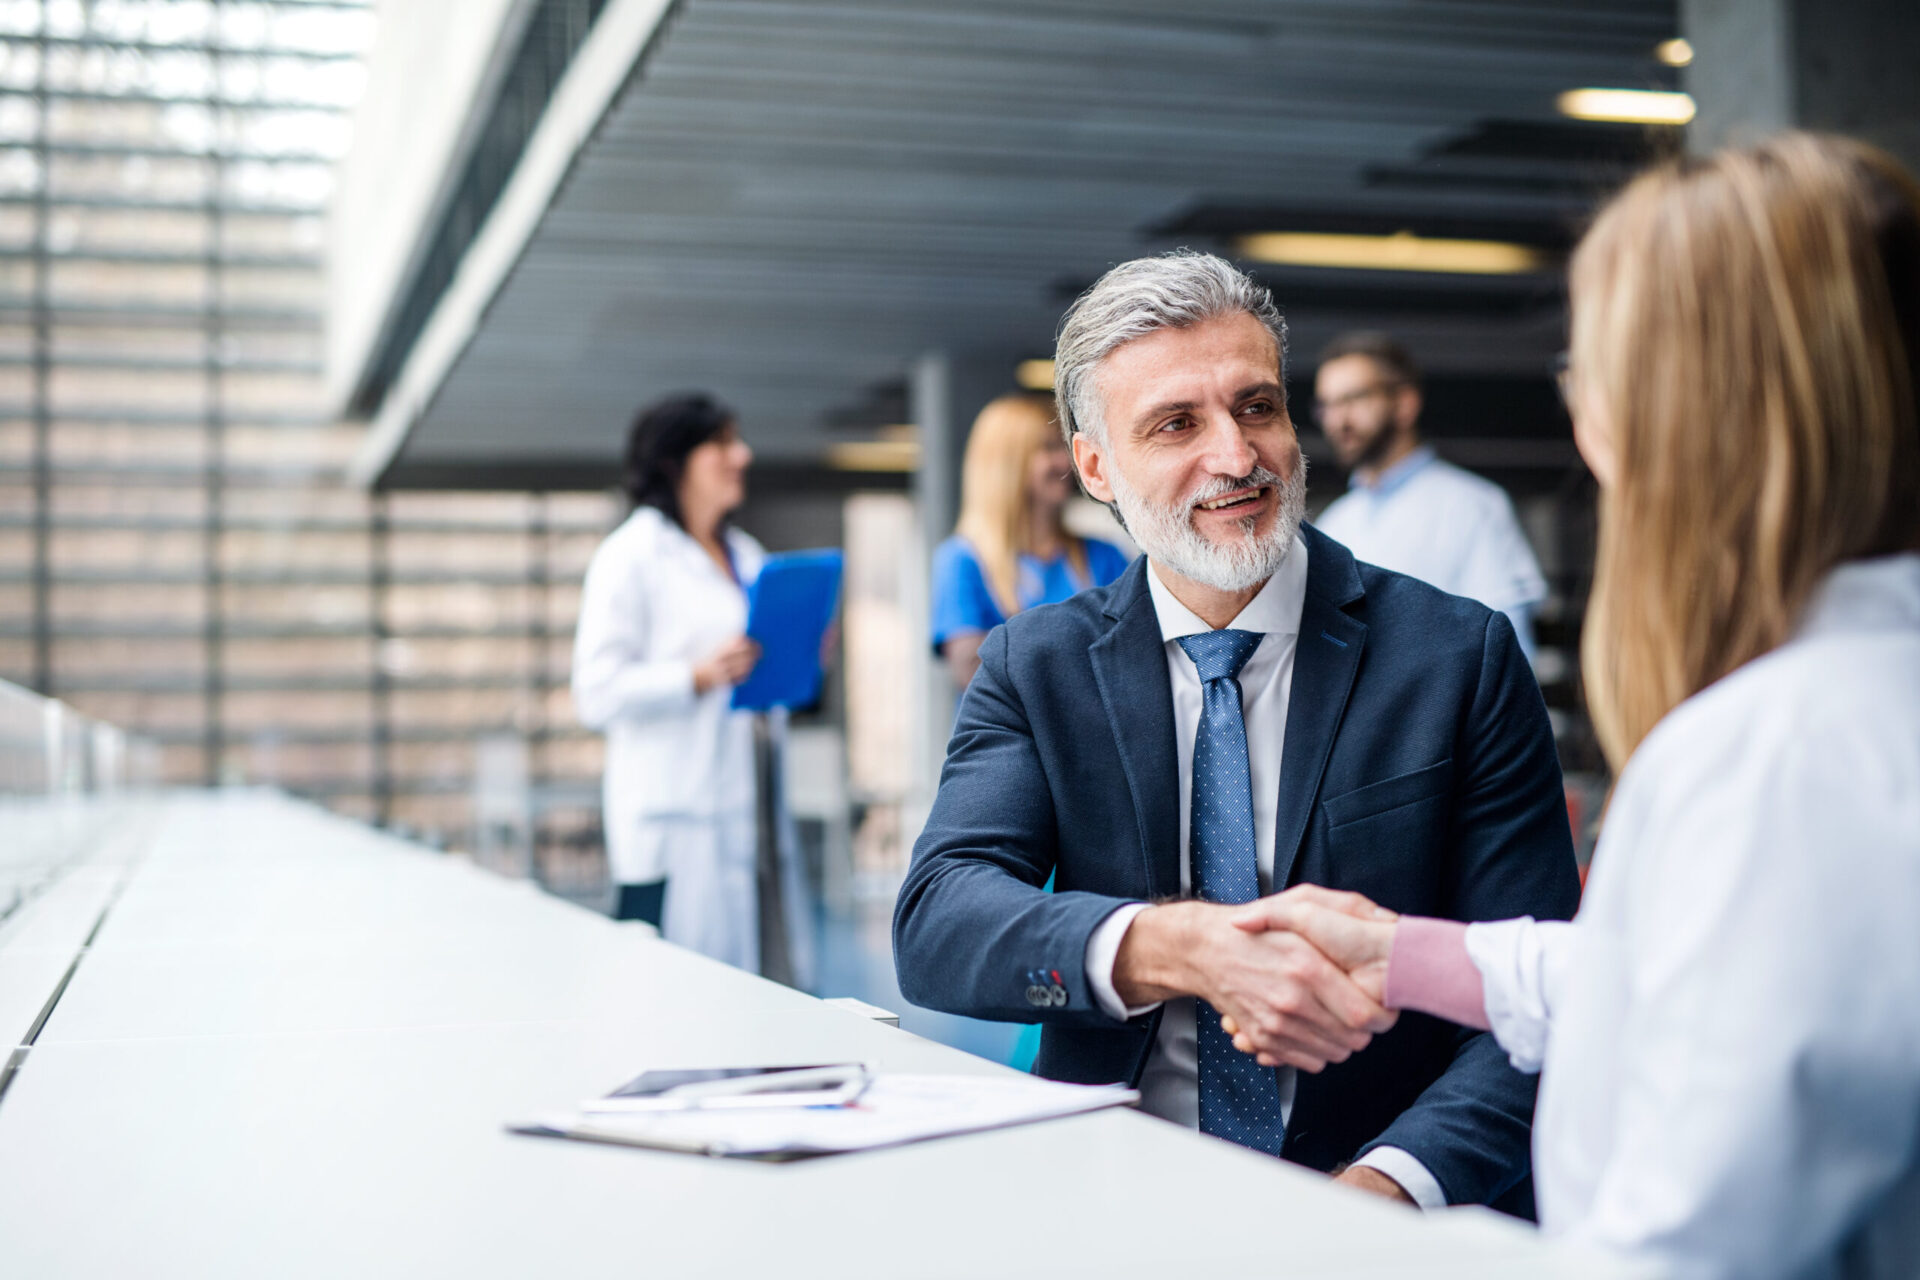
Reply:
x=1429, y=971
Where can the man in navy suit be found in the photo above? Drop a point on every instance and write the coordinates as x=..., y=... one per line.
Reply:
x=1246, y=709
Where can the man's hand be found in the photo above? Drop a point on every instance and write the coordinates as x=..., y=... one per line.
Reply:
x=1304, y=1011
x=1366, y=1178
x=1347, y=928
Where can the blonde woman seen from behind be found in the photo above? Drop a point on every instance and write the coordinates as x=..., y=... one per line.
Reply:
x=1010, y=550
x=1729, y=1031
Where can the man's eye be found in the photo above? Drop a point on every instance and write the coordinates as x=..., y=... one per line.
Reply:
x=1176, y=424
x=1258, y=409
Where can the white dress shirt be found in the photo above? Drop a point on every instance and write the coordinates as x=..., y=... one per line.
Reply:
x=1170, y=1084
x=1433, y=521
x=1729, y=1032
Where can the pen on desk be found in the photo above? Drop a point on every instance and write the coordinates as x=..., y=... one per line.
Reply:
x=813, y=1087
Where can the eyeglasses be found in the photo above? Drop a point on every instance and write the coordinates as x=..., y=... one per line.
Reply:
x=1321, y=408
x=1562, y=370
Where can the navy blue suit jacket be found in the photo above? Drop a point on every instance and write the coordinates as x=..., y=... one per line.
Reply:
x=1418, y=768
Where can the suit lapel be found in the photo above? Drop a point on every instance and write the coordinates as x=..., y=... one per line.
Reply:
x=1130, y=668
x=1325, y=659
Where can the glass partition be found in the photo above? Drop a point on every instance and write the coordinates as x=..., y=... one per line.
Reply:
x=63, y=777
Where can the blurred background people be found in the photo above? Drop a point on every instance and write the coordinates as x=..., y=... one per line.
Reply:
x=660, y=645
x=1729, y=1031
x=1010, y=549
x=1406, y=510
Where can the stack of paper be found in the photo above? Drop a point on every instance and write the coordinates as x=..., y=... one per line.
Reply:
x=895, y=1109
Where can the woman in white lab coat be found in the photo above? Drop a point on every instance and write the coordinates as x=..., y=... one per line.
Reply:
x=1729, y=1032
x=661, y=644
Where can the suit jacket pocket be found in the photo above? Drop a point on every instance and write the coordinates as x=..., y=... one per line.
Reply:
x=1377, y=798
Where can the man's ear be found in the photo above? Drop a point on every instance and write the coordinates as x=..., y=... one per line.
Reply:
x=1090, y=460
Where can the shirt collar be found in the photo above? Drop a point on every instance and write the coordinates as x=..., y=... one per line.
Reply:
x=1881, y=594
x=689, y=548
x=1387, y=482
x=1274, y=611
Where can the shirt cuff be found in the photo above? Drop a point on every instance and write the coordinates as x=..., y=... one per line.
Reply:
x=1412, y=1176
x=1511, y=956
x=1103, y=948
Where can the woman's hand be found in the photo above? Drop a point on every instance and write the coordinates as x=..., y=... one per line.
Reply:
x=726, y=666
x=1347, y=928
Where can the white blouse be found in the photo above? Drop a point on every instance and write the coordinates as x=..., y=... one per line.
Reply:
x=654, y=605
x=1729, y=1032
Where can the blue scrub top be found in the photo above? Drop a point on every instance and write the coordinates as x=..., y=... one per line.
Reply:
x=963, y=605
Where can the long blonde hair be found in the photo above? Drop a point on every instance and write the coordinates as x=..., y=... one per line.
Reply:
x=1750, y=325
x=993, y=492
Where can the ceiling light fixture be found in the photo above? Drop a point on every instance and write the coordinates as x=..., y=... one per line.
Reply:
x=1627, y=106
x=1402, y=251
x=1677, y=52
x=1034, y=375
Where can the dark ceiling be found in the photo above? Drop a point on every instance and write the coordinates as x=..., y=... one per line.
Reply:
x=791, y=201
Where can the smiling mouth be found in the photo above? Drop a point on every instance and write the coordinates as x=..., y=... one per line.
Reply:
x=1245, y=497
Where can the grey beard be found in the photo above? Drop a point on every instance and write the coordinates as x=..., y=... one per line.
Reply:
x=1168, y=537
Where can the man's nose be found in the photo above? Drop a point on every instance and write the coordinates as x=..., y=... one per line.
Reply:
x=1229, y=452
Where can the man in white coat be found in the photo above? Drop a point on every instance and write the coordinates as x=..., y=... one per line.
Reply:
x=1407, y=510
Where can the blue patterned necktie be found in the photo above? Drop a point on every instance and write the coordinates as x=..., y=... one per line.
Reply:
x=1239, y=1098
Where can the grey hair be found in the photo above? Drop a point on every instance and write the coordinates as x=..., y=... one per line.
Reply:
x=1174, y=290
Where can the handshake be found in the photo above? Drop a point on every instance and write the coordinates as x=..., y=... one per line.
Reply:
x=1299, y=978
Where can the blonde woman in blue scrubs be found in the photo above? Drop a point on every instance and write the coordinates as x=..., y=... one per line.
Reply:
x=1010, y=550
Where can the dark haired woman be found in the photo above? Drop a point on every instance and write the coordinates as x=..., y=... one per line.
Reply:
x=659, y=648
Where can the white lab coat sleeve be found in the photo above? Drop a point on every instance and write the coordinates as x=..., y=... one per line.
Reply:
x=613, y=677
x=1766, y=1089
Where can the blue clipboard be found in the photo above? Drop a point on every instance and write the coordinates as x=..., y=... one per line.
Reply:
x=789, y=607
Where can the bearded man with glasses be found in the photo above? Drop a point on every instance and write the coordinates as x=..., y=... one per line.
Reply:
x=1405, y=509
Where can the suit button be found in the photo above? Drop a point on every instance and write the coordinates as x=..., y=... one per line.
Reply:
x=1037, y=995
x=1058, y=994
